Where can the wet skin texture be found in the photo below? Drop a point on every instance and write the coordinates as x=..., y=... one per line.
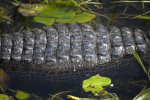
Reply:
x=71, y=53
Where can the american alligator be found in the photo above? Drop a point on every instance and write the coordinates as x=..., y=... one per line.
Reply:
x=68, y=52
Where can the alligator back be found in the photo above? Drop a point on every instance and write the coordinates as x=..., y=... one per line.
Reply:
x=68, y=52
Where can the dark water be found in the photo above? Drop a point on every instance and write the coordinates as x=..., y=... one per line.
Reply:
x=110, y=14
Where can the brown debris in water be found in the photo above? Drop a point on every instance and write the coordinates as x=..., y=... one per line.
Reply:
x=30, y=10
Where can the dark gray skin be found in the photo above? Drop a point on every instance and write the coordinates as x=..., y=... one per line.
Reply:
x=75, y=52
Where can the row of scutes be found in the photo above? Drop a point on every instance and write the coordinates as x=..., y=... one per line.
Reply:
x=73, y=46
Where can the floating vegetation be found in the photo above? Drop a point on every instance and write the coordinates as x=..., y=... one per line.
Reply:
x=95, y=84
x=60, y=12
x=37, y=11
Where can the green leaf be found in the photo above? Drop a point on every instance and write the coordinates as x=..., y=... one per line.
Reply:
x=144, y=95
x=61, y=9
x=139, y=60
x=22, y=95
x=61, y=12
x=95, y=84
x=83, y=17
x=79, y=18
x=65, y=3
x=58, y=11
x=62, y=20
x=46, y=21
x=4, y=97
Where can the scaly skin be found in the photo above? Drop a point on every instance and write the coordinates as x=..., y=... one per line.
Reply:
x=64, y=52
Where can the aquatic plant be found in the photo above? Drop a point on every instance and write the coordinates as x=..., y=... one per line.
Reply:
x=59, y=12
x=96, y=84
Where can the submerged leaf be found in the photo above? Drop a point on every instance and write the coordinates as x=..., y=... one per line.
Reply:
x=95, y=84
x=22, y=95
x=144, y=95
